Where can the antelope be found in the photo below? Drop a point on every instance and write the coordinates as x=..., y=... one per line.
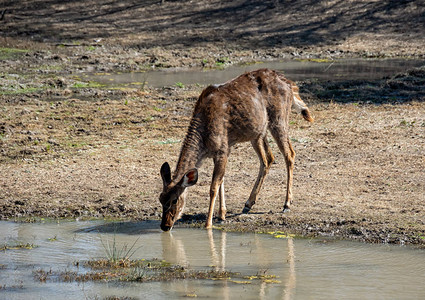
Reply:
x=237, y=111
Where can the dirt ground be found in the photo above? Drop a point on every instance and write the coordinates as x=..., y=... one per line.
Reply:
x=75, y=149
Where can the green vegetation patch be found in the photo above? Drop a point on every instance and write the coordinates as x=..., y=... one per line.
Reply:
x=11, y=53
x=317, y=60
x=168, y=141
x=142, y=270
x=180, y=85
x=222, y=62
x=130, y=270
x=17, y=246
x=90, y=84
x=15, y=84
x=18, y=91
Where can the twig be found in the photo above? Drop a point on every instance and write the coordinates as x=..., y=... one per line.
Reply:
x=330, y=65
x=2, y=14
x=76, y=45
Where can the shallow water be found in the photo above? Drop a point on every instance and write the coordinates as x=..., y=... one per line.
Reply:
x=305, y=269
x=363, y=69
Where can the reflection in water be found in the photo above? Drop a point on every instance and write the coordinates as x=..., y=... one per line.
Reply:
x=218, y=258
x=173, y=250
x=173, y=247
x=290, y=284
x=349, y=69
x=314, y=270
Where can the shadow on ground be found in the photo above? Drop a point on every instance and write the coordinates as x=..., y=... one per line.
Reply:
x=250, y=24
x=400, y=88
x=143, y=227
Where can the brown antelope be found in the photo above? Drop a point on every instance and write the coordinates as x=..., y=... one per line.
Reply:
x=239, y=110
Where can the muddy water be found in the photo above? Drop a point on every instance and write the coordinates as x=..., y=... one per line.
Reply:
x=304, y=269
x=295, y=70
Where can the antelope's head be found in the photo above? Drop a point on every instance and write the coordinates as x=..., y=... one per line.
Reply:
x=173, y=196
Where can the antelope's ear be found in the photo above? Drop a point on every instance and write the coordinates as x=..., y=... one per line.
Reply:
x=189, y=179
x=166, y=173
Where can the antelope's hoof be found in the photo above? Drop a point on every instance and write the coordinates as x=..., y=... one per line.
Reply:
x=246, y=210
x=286, y=210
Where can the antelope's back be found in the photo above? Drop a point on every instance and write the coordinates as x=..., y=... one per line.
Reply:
x=240, y=108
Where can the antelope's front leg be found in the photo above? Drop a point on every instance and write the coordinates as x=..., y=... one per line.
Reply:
x=217, y=180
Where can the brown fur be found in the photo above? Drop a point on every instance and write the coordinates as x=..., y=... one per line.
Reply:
x=240, y=110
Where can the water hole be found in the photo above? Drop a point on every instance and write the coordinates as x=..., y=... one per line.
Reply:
x=270, y=266
x=346, y=69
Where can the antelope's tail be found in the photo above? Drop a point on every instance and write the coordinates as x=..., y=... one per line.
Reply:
x=302, y=109
x=299, y=104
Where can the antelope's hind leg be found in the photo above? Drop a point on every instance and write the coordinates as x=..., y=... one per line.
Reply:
x=288, y=152
x=222, y=210
x=262, y=148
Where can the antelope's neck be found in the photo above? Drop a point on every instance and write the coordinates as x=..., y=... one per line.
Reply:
x=192, y=151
